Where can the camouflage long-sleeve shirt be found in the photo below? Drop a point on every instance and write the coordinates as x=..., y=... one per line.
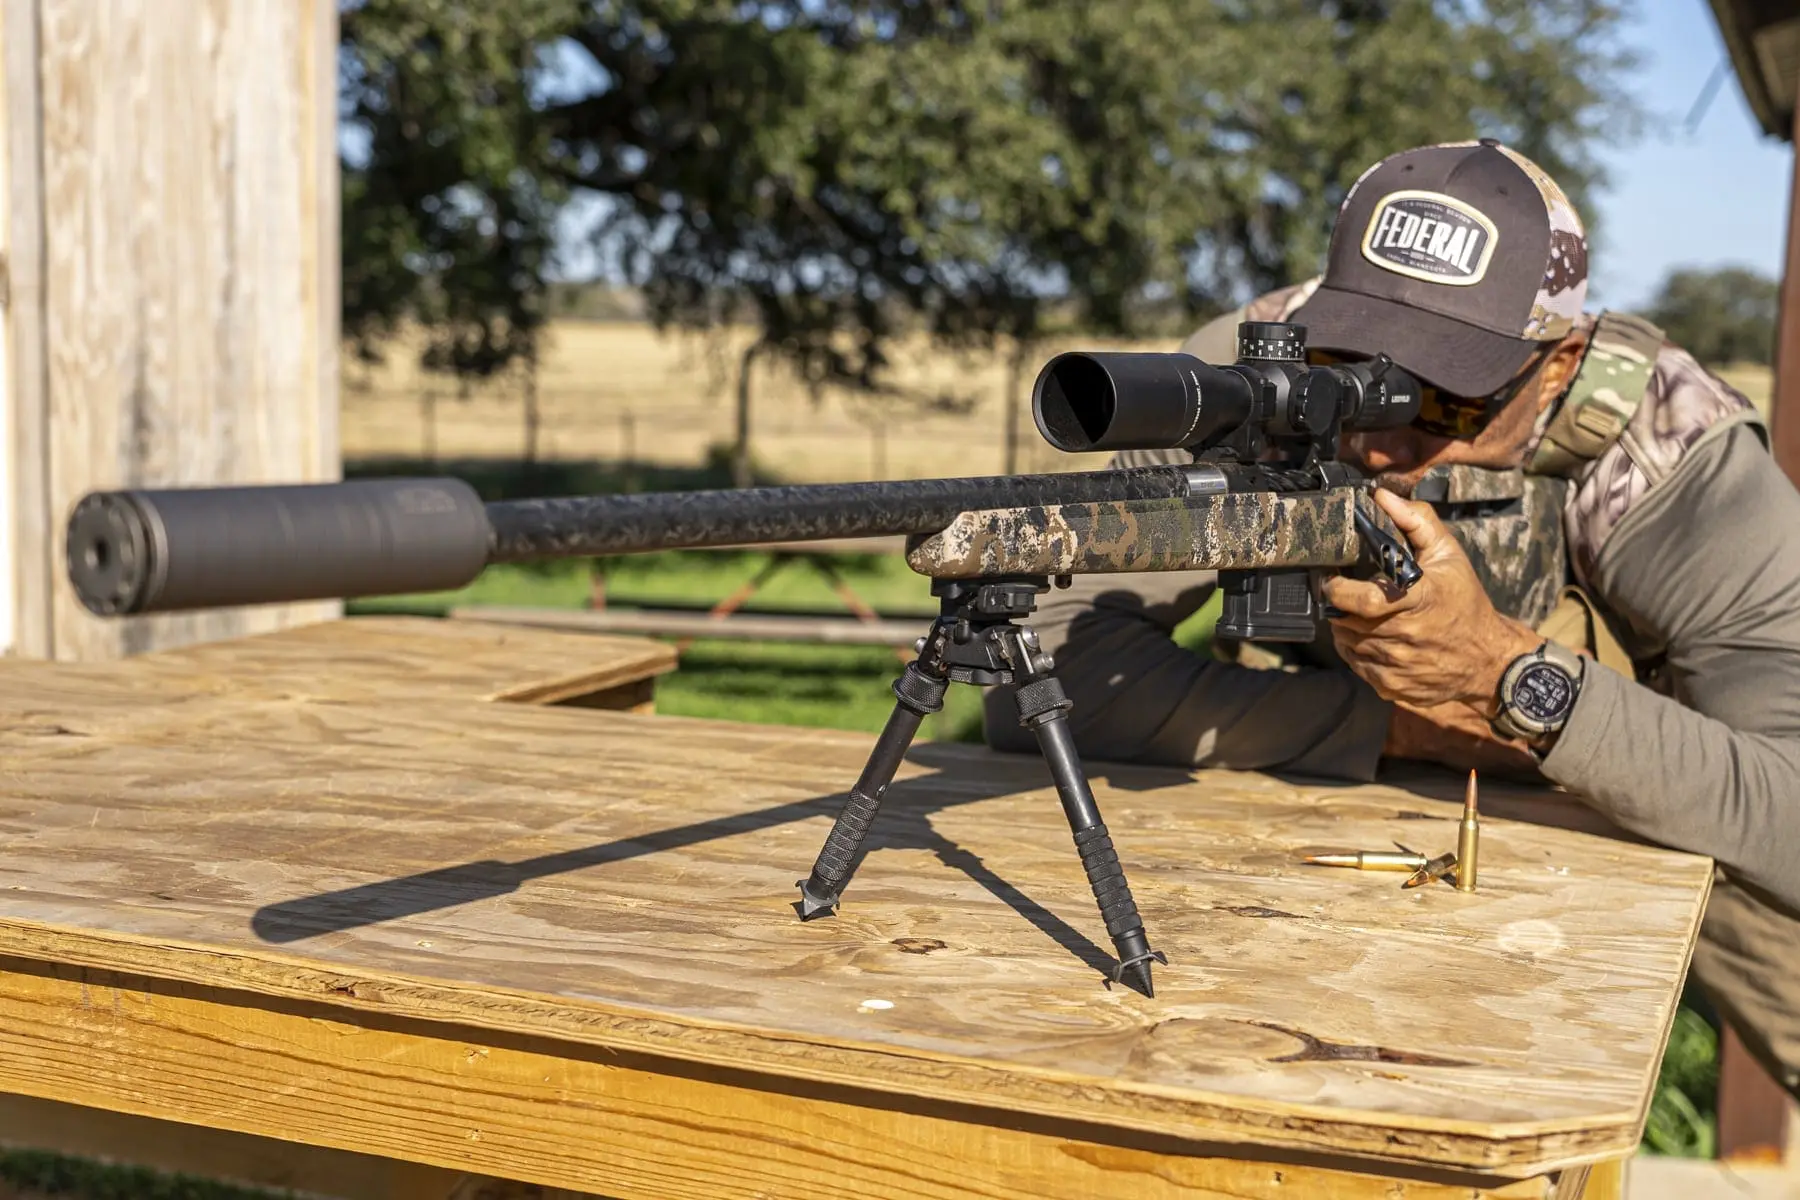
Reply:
x=1686, y=539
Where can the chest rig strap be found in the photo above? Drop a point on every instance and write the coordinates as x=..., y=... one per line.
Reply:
x=1602, y=398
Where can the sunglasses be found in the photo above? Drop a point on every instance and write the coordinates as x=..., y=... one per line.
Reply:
x=1447, y=414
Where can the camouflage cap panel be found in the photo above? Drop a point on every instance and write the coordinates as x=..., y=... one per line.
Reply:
x=1237, y=531
x=1564, y=290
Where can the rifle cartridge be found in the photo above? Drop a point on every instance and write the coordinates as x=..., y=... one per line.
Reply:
x=1468, y=840
x=1371, y=860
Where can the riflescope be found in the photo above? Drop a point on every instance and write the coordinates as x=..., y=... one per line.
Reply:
x=1086, y=401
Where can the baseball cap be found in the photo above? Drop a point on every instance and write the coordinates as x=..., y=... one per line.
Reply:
x=1458, y=261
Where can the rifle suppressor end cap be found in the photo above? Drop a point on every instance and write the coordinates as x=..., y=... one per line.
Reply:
x=110, y=555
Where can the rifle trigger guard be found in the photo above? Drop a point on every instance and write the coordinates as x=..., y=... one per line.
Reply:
x=1393, y=556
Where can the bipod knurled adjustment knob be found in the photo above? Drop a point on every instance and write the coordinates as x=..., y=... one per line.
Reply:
x=1041, y=700
x=920, y=692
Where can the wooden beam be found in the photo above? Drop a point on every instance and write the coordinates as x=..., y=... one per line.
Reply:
x=26, y=411
x=28, y=1123
x=1784, y=403
x=1753, y=1108
x=189, y=273
x=622, y=1125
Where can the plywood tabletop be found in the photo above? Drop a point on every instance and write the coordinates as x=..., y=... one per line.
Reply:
x=622, y=880
x=362, y=658
x=366, y=658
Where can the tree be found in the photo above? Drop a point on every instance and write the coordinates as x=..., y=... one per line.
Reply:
x=836, y=172
x=1720, y=316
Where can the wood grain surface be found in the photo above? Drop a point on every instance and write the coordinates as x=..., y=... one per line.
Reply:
x=596, y=1122
x=627, y=883
x=24, y=466
x=374, y=658
x=178, y=248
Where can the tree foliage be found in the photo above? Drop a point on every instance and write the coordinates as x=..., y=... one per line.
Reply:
x=834, y=171
x=1719, y=316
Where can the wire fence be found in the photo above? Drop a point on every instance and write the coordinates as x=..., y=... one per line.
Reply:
x=797, y=440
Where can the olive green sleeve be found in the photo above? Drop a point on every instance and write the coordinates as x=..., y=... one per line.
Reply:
x=1707, y=567
x=1141, y=697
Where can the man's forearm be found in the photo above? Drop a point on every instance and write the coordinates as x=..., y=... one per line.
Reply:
x=1684, y=779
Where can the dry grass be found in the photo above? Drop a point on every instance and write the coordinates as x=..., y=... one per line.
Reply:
x=613, y=390
x=619, y=391
x=1756, y=382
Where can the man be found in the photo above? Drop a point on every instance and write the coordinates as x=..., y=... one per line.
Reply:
x=1600, y=491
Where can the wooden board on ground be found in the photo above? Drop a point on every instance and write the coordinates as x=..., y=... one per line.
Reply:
x=618, y=889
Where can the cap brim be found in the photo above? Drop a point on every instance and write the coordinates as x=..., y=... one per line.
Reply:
x=1457, y=357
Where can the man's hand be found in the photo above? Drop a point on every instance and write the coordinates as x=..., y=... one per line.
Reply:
x=1443, y=642
x=1457, y=735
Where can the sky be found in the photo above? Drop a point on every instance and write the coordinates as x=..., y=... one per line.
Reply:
x=1716, y=196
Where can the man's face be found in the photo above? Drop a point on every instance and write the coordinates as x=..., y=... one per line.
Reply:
x=1397, y=458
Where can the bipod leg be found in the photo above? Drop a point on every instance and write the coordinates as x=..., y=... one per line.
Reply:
x=1044, y=709
x=917, y=694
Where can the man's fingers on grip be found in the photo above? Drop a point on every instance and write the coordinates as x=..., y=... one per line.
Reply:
x=1415, y=519
x=1363, y=598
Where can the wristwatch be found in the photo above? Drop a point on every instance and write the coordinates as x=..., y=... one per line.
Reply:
x=1537, y=693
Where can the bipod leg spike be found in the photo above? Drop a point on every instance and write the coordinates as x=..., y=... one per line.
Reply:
x=1044, y=709
x=917, y=694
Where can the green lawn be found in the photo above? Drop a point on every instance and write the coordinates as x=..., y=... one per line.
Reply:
x=830, y=686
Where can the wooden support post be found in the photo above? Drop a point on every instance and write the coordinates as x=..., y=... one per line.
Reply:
x=171, y=265
x=1753, y=1108
x=1784, y=402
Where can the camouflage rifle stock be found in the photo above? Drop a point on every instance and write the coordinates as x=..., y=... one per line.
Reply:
x=1242, y=531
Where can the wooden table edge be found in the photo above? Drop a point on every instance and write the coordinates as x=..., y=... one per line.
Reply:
x=882, y=1075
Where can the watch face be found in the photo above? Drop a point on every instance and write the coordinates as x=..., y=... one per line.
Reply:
x=1543, y=694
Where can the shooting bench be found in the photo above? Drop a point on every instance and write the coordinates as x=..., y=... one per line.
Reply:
x=400, y=920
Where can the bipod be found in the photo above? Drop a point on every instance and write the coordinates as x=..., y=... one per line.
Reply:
x=977, y=640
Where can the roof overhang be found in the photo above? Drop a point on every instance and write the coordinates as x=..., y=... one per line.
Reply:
x=1763, y=39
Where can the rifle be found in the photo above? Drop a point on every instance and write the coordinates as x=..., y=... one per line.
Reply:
x=1264, y=501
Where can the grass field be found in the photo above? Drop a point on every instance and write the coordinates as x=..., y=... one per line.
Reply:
x=617, y=391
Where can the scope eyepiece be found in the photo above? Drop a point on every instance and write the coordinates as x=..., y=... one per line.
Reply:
x=1379, y=394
